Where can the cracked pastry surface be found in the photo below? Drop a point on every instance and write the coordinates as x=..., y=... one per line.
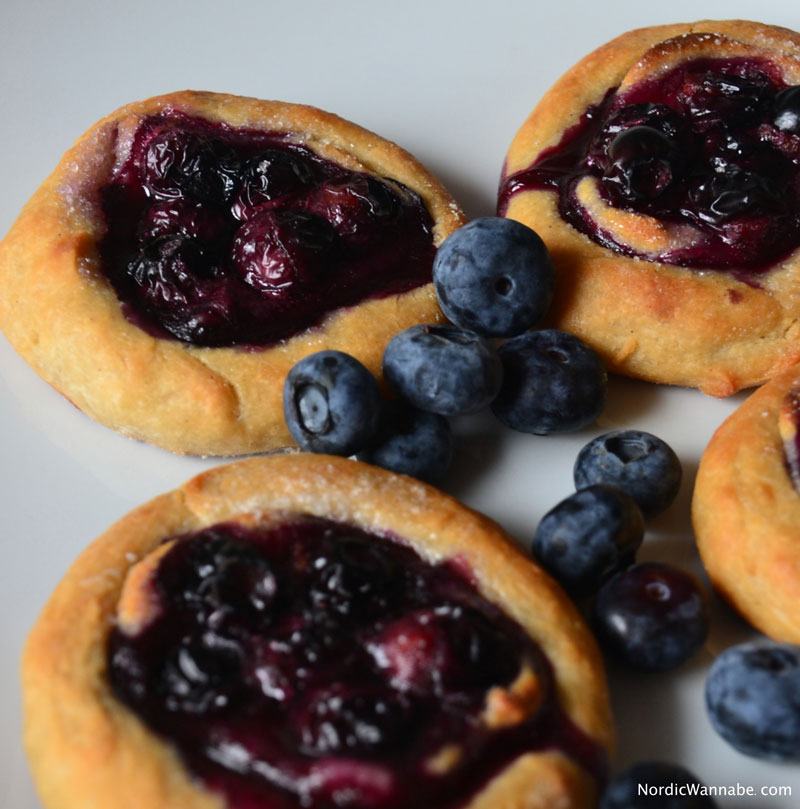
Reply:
x=746, y=508
x=657, y=175
x=190, y=248
x=424, y=653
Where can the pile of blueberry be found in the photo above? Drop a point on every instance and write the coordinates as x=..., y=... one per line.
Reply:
x=495, y=279
x=651, y=615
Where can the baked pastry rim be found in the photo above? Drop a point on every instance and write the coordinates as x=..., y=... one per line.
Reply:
x=63, y=317
x=702, y=329
x=82, y=743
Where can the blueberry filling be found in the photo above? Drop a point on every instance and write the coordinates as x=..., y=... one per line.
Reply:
x=713, y=144
x=789, y=429
x=221, y=237
x=312, y=664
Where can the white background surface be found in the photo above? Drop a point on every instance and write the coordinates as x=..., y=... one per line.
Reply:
x=449, y=81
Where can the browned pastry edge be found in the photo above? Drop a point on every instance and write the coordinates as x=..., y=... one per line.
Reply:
x=650, y=320
x=63, y=317
x=87, y=751
x=746, y=514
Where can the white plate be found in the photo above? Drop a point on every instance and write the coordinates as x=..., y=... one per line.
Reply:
x=450, y=81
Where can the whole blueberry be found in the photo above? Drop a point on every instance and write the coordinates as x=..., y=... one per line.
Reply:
x=589, y=536
x=653, y=616
x=786, y=108
x=643, y=163
x=552, y=383
x=753, y=699
x=655, y=785
x=494, y=276
x=443, y=369
x=639, y=463
x=411, y=441
x=331, y=403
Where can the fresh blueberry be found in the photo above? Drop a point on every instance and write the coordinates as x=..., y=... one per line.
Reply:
x=331, y=403
x=494, y=276
x=652, y=785
x=639, y=463
x=356, y=206
x=443, y=369
x=787, y=110
x=753, y=699
x=552, y=383
x=588, y=537
x=731, y=193
x=653, y=616
x=411, y=441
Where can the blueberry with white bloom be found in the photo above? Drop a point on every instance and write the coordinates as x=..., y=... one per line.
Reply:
x=331, y=403
x=494, y=276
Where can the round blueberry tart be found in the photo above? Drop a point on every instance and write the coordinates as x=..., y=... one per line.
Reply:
x=662, y=171
x=309, y=631
x=746, y=508
x=192, y=247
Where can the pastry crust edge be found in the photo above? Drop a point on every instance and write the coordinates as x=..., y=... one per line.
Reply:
x=746, y=514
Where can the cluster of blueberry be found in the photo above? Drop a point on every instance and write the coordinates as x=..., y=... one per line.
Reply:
x=651, y=615
x=494, y=279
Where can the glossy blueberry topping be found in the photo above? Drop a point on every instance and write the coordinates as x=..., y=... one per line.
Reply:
x=786, y=110
x=753, y=699
x=494, y=276
x=652, y=615
x=286, y=235
x=331, y=403
x=411, y=441
x=309, y=664
x=588, y=537
x=789, y=429
x=712, y=143
x=552, y=383
x=443, y=369
x=640, y=463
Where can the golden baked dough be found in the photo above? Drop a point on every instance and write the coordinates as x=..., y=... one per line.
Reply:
x=62, y=315
x=88, y=751
x=746, y=509
x=711, y=329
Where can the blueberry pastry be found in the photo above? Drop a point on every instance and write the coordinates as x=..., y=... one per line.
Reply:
x=309, y=631
x=190, y=248
x=746, y=508
x=663, y=173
